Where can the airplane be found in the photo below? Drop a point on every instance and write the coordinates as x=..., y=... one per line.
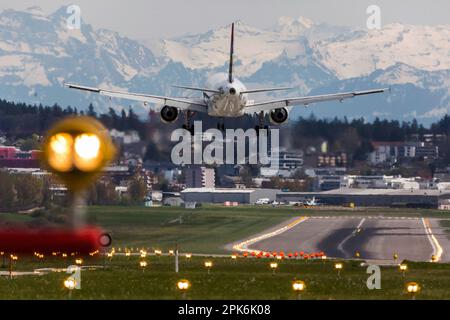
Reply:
x=226, y=97
x=312, y=202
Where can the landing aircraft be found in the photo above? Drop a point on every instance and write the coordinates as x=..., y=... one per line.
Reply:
x=226, y=97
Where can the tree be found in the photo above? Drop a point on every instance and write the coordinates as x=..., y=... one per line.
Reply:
x=137, y=189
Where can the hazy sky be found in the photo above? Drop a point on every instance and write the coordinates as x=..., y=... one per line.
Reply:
x=146, y=19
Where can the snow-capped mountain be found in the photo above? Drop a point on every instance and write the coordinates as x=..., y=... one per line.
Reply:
x=38, y=53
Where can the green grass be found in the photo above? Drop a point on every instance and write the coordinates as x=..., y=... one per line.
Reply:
x=209, y=228
x=203, y=230
x=229, y=279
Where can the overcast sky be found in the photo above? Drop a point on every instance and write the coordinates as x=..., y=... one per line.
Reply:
x=147, y=19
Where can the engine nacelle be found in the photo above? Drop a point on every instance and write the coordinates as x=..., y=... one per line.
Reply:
x=169, y=114
x=279, y=116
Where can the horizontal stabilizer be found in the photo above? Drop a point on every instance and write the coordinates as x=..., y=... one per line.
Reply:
x=266, y=90
x=197, y=89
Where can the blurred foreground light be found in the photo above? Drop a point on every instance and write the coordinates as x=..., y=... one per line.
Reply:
x=77, y=149
x=183, y=285
x=434, y=258
x=60, y=152
x=171, y=252
x=79, y=261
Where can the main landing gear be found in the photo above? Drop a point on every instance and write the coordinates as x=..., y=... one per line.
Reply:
x=187, y=122
x=260, y=125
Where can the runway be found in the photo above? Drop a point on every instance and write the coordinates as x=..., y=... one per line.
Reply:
x=375, y=238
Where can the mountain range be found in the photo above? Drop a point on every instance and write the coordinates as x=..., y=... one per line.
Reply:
x=38, y=54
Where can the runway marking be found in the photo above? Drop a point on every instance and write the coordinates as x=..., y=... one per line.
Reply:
x=243, y=246
x=437, y=249
x=340, y=247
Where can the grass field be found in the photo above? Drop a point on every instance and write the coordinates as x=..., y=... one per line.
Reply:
x=244, y=278
x=209, y=228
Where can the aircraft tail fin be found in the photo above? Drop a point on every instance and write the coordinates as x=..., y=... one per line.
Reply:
x=230, y=70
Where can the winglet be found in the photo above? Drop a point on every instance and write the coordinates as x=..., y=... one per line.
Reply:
x=230, y=71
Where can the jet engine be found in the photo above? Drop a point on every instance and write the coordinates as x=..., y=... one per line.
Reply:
x=169, y=114
x=279, y=116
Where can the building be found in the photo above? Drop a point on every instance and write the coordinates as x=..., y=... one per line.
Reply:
x=373, y=197
x=12, y=157
x=284, y=165
x=200, y=177
x=222, y=195
x=390, y=152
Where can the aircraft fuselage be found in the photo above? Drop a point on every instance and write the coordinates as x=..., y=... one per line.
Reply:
x=229, y=102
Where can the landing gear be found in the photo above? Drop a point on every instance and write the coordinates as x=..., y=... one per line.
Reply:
x=221, y=126
x=187, y=122
x=260, y=125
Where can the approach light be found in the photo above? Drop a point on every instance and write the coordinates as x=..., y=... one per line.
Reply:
x=70, y=283
x=60, y=152
x=412, y=288
x=338, y=266
x=188, y=255
x=403, y=267
x=273, y=266
x=143, y=264
x=77, y=149
x=183, y=285
x=298, y=286
x=233, y=256
x=208, y=265
x=79, y=261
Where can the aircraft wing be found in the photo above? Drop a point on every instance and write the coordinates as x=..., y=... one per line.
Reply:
x=180, y=103
x=305, y=101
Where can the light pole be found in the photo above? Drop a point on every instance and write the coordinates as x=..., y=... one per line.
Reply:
x=208, y=265
x=70, y=284
x=183, y=285
x=273, y=266
x=403, y=267
x=412, y=288
x=298, y=286
x=143, y=265
x=338, y=266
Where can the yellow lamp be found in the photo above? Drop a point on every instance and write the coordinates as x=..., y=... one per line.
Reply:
x=77, y=149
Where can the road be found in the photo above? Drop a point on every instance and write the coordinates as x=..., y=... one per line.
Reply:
x=375, y=238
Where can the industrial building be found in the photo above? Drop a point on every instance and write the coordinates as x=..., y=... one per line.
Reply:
x=221, y=195
x=412, y=198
